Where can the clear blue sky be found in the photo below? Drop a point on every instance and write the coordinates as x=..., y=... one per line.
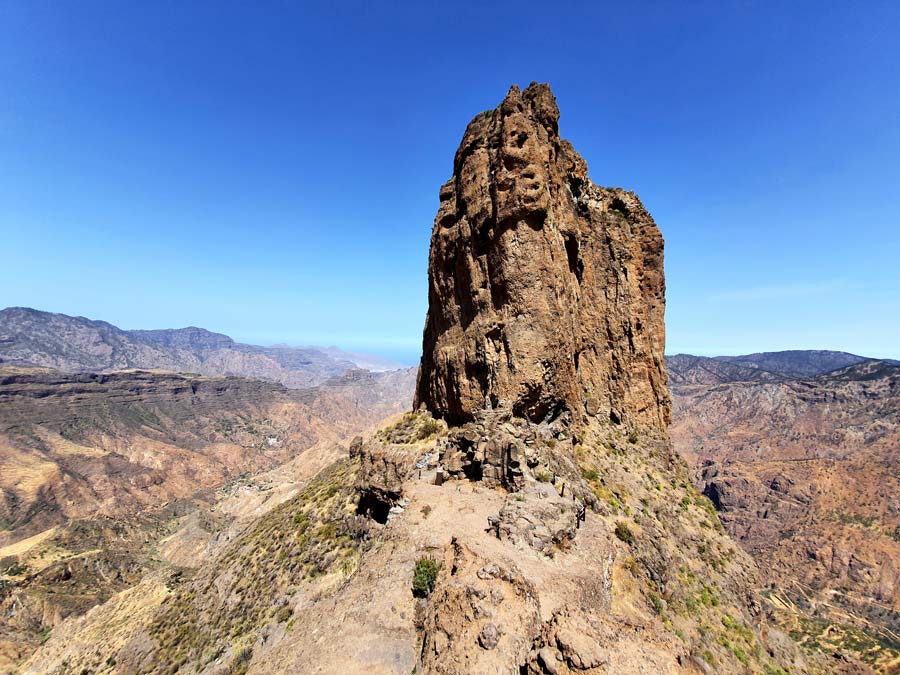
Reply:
x=270, y=170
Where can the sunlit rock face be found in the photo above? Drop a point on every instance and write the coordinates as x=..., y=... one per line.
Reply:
x=546, y=292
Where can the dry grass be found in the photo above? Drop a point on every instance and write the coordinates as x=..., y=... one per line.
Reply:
x=680, y=566
x=314, y=534
x=22, y=547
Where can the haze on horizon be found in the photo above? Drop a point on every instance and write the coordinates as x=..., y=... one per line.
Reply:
x=274, y=175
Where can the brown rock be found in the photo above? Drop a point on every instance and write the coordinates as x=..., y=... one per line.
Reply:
x=538, y=517
x=489, y=636
x=579, y=650
x=546, y=292
x=379, y=483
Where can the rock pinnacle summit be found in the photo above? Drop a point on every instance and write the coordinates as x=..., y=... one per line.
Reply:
x=546, y=291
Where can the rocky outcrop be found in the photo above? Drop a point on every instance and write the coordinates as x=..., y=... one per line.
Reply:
x=481, y=617
x=546, y=292
x=538, y=517
x=578, y=545
x=491, y=449
x=379, y=483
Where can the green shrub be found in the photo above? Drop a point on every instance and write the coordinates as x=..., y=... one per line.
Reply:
x=590, y=474
x=428, y=428
x=624, y=533
x=706, y=597
x=16, y=569
x=543, y=475
x=633, y=437
x=424, y=576
x=740, y=655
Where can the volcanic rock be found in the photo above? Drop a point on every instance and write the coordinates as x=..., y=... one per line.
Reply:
x=546, y=292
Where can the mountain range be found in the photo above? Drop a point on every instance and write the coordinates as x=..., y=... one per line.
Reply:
x=555, y=502
x=803, y=470
x=77, y=344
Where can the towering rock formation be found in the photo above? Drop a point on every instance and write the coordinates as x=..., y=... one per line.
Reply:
x=546, y=292
x=544, y=353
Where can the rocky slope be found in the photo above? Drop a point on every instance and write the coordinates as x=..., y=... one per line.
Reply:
x=95, y=468
x=542, y=524
x=804, y=474
x=76, y=344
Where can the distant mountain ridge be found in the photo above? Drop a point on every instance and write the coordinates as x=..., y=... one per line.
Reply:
x=685, y=369
x=78, y=344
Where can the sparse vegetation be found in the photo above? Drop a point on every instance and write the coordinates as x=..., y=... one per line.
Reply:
x=846, y=518
x=44, y=635
x=16, y=569
x=314, y=534
x=241, y=662
x=429, y=428
x=623, y=532
x=818, y=634
x=413, y=427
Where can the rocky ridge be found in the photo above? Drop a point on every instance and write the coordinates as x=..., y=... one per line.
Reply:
x=529, y=516
x=96, y=469
x=685, y=369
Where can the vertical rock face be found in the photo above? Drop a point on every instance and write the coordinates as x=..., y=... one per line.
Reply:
x=546, y=292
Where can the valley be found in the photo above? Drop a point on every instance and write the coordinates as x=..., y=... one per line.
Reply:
x=97, y=470
x=548, y=493
x=804, y=474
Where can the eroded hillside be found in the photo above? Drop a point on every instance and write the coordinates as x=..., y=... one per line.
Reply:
x=804, y=474
x=96, y=471
x=76, y=344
